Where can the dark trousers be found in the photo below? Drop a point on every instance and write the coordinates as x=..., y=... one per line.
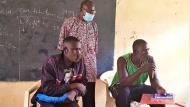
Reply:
x=133, y=93
x=89, y=98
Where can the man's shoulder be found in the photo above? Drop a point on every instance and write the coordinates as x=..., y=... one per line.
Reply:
x=54, y=58
x=121, y=60
x=125, y=58
x=127, y=55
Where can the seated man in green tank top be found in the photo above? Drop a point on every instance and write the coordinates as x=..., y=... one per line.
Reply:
x=133, y=69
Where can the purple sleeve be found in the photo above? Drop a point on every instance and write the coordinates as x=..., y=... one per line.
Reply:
x=48, y=80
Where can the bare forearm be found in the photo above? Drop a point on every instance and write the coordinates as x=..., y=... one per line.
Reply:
x=155, y=83
x=131, y=78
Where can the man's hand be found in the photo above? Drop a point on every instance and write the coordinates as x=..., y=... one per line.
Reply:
x=79, y=86
x=71, y=95
x=160, y=90
x=149, y=67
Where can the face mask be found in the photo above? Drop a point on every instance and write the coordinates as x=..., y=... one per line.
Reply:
x=88, y=17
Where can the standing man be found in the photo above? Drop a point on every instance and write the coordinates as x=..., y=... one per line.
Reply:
x=133, y=69
x=85, y=29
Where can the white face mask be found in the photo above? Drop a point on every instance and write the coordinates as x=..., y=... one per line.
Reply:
x=88, y=17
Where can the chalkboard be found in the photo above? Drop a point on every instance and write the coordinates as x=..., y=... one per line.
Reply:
x=29, y=31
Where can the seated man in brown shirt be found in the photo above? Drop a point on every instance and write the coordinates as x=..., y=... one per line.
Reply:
x=64, y=73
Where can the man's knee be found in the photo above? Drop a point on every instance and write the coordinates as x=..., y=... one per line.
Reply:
x=123, y=100
x=124, y=91
x=149, y=90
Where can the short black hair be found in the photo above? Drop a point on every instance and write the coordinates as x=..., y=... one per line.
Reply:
x=137, y=43
x=70, y=39
x=85, y=2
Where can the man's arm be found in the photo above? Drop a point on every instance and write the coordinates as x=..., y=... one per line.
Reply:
x=124, y=78
x=48, y=80
x=153, y=78
x=96, y=38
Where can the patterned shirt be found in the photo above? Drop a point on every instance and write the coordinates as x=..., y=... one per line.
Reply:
x=87, y=33
x=56, y=79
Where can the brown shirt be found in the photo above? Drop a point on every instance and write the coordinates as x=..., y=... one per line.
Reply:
x=56, y=80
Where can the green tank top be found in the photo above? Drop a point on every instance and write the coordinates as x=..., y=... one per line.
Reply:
x=131, y=68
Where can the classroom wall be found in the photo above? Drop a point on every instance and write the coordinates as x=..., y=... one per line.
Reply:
x=164, y=24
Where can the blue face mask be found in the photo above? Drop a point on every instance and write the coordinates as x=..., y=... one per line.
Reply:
x=88, y=17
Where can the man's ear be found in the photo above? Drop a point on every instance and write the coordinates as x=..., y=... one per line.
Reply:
x=65, y=50
x=81, y=9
